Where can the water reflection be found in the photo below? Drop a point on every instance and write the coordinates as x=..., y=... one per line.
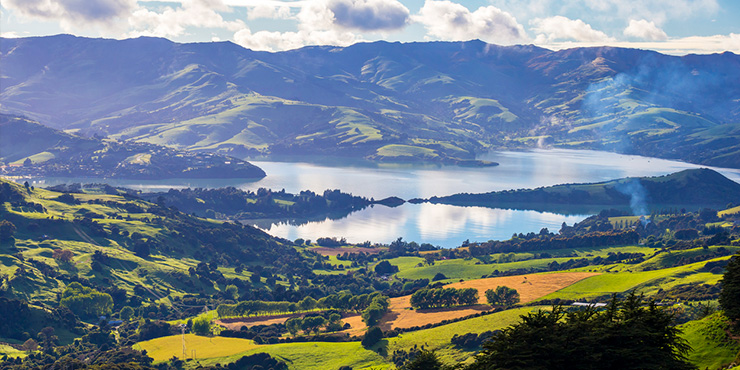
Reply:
x=438, y=224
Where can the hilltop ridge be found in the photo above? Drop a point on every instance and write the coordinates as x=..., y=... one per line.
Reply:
x=423, y=101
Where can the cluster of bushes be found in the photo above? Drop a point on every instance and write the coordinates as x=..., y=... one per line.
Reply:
x=472, y=340
x=261, y=332
x=85, y=301
x=246, y=308
x=329, y=321
x=444, y=297
x=689, y=292
x=376, y=310
x=587, y=240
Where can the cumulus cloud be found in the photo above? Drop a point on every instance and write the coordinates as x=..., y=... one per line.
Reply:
x=369, y=15
x=451, y=21
x=172, y=22
x=72, y=14
x=562, y=28
x=642, y=29
x=327, y=22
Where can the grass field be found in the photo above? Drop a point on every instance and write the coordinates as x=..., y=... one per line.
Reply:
x=6, y=350
x=164, y=348
x=299, y=356
x=438, y=338
x=647, y=282
x=712, y=348
x=474, y=268
x=321, y=356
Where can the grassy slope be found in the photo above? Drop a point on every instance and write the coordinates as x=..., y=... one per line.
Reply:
x=219, y=350
x=474, y=268
x=162, y=349
x=711, y=347
x=438, y=338
x=125, y=269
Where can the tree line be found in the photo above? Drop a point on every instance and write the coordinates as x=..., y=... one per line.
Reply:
x=444, y=297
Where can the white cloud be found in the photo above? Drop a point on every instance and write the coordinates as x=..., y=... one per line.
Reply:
x=451, y=21
x=10, y=35
x=74, y=14
x=269, y=11
x=642, y=29
x=172, y=22
x=327, y=22
x=561, y=28
x=276, y=41
x=680, y=46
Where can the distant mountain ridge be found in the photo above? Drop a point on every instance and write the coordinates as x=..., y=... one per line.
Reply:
x=31, y=149
x=434, y=101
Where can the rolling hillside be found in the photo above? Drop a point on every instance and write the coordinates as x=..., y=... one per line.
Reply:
x=437, y=101
x=698, y=187
x=31, y=149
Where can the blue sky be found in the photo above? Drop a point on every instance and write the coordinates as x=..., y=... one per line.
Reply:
x=668, y=26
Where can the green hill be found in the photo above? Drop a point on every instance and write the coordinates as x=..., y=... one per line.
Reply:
x=695, y=187
x=142, y=251
x=31, y=149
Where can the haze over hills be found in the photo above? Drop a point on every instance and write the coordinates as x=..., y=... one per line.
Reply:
x=437, y=101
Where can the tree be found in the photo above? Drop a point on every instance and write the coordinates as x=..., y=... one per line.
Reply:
x=307, y=303
x=626, y=335
x=85, y=301
x=385, y=268
x=439, y=276
x=62, y=255
x=502, y=296
x=232, y=292
x=126, y=313
x=375, y=311
x=7, y=229
x=373, y=336
x=312, y=324
x=729, y=296
x=293, y=325
x=201, y=326
x=424, y=360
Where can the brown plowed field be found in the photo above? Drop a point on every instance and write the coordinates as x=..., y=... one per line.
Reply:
x=530, y=287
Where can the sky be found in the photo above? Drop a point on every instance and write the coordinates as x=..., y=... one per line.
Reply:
x=669, y=26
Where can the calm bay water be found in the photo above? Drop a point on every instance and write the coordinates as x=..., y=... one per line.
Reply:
x=442, y=225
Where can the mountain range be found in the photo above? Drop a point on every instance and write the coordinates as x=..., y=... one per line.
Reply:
x=431, y=101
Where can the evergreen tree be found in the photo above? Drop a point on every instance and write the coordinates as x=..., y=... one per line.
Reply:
x=729, y=297
x=626, y=335
x=425, y=360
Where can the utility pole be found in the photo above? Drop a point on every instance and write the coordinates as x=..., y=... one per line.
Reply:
x=182, y=328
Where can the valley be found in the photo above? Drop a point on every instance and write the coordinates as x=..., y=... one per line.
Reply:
x=384, y=205
x=169, y=265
